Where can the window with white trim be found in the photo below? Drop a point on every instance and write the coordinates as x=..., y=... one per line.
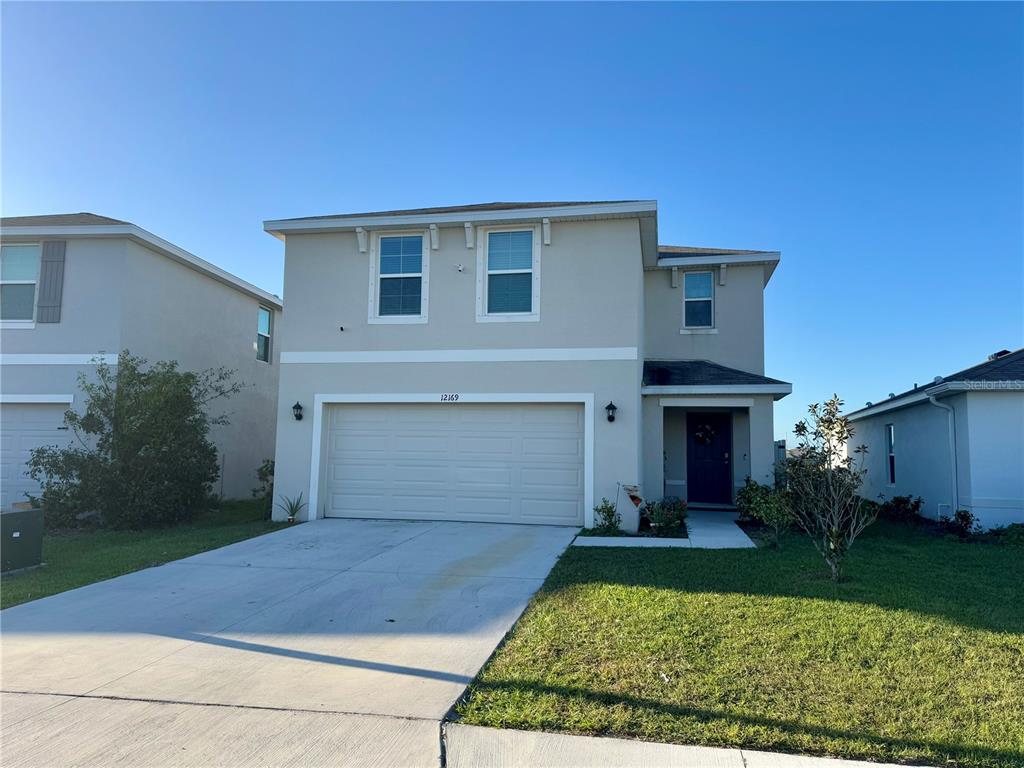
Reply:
x=399, y=274
x=19, y=276
x=698, y=300
x=509, y=279
x=264, y=324
x=890, y=450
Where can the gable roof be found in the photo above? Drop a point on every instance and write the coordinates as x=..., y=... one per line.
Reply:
x=59, y=220
x=1005, y=367
x=86, y=224
x=701, y=374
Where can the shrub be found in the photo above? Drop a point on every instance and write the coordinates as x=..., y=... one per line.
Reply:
x=766, y=505
x=902, y=509
x=1010, y=535
x=265, y=490
x=666, y=516
x=607, y=519
x=962, y=524
x=823, y=483
x=292, y=508
x=143, y=455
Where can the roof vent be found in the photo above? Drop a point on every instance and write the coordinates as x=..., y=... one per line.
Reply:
x=892, y=394
x=997, y=355
x=868, y=404
x=936, y=380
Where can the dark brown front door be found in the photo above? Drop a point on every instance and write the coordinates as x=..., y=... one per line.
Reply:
x=709, y=457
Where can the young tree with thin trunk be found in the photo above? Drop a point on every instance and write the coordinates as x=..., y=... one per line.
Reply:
x=823, y=482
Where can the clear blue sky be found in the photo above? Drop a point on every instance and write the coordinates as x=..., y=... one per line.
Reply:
x=878, y=146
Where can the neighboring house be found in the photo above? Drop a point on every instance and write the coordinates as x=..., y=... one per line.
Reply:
x=514, y=362
x=957, y=442
x=77, y=286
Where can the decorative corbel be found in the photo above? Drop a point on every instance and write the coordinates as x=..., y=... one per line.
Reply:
x=433, y=237
x=361, y=237
x=721, y=273
x=470, y=239
x=546, y=226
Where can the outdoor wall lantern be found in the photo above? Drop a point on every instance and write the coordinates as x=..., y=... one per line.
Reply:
x=297, y=410
x=611, y=408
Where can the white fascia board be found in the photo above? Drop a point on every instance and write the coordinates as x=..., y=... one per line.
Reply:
x=161, y=246
x=778, y=390
x=278, y=227
x=48, y=358
x=771, y=258
x=40, y=399
x=890, y=405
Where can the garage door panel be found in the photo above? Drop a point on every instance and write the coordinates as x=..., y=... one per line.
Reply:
x=489, y=462
x=24, y=426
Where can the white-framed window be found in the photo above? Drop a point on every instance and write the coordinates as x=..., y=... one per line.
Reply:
x=399, y=276
x=19, y=281
x=508, y=274
x=890, y=452
x=264, y=329
x=698, y=300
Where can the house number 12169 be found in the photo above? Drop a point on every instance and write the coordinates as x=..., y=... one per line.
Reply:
x=450, y=397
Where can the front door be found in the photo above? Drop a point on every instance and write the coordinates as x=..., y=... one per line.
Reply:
x=709, y=457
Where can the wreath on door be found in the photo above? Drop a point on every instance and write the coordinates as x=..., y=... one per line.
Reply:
x=704, y=434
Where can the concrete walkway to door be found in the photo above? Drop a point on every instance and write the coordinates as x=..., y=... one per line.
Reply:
x=339, y=642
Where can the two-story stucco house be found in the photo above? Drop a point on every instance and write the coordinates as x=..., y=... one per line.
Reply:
x=513, y=362
x=77, y=287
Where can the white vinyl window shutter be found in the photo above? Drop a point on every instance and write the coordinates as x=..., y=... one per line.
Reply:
x=51, y=281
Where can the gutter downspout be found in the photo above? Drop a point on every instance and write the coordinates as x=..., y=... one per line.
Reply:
x=952, y=449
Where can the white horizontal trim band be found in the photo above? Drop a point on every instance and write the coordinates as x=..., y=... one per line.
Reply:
x=61, y=399
x=550, y=354
x=714, y=261
x=54, y=359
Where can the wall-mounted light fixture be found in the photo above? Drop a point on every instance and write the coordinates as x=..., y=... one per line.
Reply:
x=297, y=411
x=611, y=408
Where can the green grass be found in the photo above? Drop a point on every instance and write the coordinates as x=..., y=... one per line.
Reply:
x=918, y=656
x=76, y=559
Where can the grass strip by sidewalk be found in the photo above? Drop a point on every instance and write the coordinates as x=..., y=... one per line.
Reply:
x=80, y=558
x=917, y=657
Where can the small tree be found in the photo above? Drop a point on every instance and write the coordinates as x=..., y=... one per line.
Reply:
x=143, y=455
x=823, y=484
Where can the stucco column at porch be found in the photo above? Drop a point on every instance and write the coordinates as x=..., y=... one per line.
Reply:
x=762, y=440
x=653, y=477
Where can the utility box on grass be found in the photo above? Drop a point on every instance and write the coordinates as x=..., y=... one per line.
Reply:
x=21, y=537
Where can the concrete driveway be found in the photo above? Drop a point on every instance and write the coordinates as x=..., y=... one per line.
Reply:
x=341, y=642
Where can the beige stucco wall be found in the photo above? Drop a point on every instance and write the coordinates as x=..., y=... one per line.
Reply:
x=738, y=338
x=174, y=313
x=590, y=284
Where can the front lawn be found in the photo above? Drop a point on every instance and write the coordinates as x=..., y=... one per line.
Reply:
x=917, y=657
x=75, y=559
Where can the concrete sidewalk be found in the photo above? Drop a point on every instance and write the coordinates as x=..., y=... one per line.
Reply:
x=472, y=746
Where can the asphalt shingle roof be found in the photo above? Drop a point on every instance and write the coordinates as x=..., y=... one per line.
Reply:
x=674, y=373
x=1008, y=367
x=506, y=206
x=675, y=251
x=59, y=220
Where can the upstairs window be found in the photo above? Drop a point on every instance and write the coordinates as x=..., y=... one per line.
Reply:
x=508, y=285
x=400, y=272
x=19, y=275
x=890, y=450
x=264, y=320
x=698, y=300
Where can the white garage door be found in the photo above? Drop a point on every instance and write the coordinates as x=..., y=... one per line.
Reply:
x=514, y=463
x=22, y=428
